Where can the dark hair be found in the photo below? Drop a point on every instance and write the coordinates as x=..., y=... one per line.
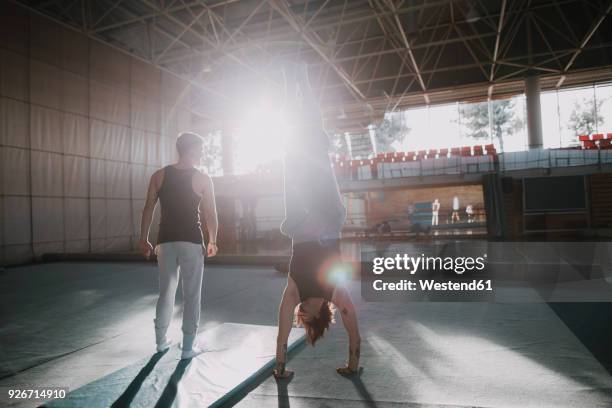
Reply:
x=186, y=141
x=315, y=328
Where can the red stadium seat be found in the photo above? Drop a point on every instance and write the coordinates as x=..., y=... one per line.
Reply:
x=466, y=151
x=609, y=136
x=598, y=136
x=583, y=138
x=455, y=151
x=421, y=154
x=589, y=144
x=605, y=144
x=410, y=156
x=478, y=151
x=432, y=153
x=443, y=153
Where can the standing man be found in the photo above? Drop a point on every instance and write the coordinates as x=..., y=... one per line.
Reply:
x=184, y=193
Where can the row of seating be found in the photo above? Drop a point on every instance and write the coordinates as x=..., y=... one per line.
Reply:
x=596, y=141
x=594, y=137
x=395, y=157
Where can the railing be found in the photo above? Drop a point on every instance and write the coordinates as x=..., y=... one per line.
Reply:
x=370, y=169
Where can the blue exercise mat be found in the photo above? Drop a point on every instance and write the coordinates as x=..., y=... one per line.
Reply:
x=237, y=354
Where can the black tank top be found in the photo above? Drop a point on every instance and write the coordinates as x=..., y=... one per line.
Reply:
x=310, y=267
x=180, y=215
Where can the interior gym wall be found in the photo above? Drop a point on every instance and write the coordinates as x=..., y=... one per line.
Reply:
x=82, y=128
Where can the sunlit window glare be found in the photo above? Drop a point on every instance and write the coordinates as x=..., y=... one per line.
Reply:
x=259, y=137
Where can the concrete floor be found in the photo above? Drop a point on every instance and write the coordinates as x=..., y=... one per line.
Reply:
x=68, y=324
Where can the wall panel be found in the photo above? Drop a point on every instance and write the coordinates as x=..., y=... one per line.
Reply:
x=82, y=129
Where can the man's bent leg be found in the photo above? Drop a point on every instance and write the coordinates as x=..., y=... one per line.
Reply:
x=167, y=260
x=191, y=261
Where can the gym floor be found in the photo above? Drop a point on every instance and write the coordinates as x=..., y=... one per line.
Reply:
x=68, y=324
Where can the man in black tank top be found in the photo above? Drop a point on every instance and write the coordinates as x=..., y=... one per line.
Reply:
x=184, y=193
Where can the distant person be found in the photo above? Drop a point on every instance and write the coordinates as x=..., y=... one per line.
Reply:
x=384, y=228
x=435, y=211
x=469, y=211
x=314, y=215
x=455, y=214
x=184, y=193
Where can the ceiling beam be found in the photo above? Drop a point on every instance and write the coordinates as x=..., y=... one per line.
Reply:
x=585, y=41
x=313, y=40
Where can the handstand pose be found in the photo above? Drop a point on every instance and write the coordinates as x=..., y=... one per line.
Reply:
x=314, y=214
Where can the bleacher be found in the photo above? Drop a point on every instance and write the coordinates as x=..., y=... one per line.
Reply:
x=594, y=149
x=475, y=159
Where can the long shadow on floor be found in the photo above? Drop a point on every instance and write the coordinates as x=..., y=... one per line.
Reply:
x=169, y=393
x=361, y=388
x=126, y=398
x=283, y=395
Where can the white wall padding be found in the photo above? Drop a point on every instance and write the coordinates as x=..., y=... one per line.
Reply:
x=118, y=143
x=98, y=138
x=184, y=120
x=97, y=215
x=97, y=178
x=45, y=129
x=14, y=123
x=16, y=220
x=48, y=219
x=47, y=174
x=117, y=180
x=82, y=128
x=169, y=124
x=75, y=132
x=109, y=66
x=75, y=52
x=14, y=25
x=145, y=79
x=15, y=169
x=145, y=113
x=138, y=148
x=137, y=206
x=14, y=71
x=119, y=218
x=45, y=84
x=173, y=89
x=75, y=93
x=45, y=40
x=140, y=182
x=109, y=104
x=152, y=141
x=76, y=176
x=76, y=218
x=168, y=150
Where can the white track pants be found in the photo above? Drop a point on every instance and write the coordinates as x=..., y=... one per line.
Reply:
x=188, y=258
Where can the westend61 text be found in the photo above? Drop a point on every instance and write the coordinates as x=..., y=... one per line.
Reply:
x=432, y=285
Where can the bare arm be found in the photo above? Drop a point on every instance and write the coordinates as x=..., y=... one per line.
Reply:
x=342, y=300
x=209, y=209
x=147, y=215
x=286, y=310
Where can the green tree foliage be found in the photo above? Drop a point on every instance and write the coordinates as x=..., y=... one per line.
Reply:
x=503, y=121
x=390, y=130
x=584, y=119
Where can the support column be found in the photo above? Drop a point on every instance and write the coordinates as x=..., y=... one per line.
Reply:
x=534, y=112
